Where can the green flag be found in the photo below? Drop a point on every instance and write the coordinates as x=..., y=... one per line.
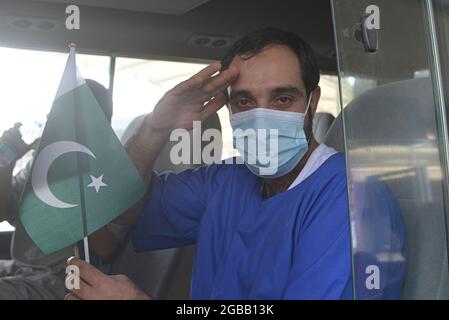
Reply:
x=81, y=177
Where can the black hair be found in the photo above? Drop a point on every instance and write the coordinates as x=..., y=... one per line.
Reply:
x=254, y=42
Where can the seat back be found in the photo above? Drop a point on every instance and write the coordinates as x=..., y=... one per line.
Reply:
x=322, y=121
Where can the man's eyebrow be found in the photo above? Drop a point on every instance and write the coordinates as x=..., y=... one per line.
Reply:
x=287, y=89
x=237, y=93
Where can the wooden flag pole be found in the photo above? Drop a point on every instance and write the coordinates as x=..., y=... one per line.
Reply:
x=86, y=250
x=81, y=184
x=76, y=250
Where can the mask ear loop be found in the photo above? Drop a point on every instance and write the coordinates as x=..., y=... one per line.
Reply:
x=305, y=113
x=308, y=105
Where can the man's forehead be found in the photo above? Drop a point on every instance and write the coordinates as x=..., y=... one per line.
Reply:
x=276, y=66
x=293, y=88
x=272, y=53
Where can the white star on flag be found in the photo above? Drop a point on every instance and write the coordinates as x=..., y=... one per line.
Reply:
x=97, y=183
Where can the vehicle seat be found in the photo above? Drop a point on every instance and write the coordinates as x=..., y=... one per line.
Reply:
x=402, y=115
x=322, y=121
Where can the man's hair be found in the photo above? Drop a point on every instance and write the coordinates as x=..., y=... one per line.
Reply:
x=103, y=96
x=254, y=42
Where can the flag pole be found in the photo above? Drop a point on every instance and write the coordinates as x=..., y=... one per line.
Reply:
x=76, y=250
x=86, y=250
x=83, y=205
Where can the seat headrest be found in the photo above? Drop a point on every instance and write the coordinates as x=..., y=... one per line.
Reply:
x=387, y=114
x=322, y=121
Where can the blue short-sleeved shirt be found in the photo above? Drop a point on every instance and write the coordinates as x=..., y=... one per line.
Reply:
x=294, y=245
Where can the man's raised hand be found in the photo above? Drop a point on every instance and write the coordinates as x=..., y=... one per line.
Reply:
x=194, y=99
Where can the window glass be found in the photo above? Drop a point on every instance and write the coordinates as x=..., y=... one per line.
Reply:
x=139, y=84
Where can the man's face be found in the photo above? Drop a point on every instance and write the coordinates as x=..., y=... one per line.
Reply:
x=270, y=79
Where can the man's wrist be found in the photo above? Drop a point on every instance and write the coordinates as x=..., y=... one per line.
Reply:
x=152, y=124
x=144, y=147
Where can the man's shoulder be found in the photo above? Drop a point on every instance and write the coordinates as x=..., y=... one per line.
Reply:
x=330, y=177
x=338, y=161
x=335, y=165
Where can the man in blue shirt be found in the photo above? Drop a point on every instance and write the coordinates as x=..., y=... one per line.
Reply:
x=273, y=227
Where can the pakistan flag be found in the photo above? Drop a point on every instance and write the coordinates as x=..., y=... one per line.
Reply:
x=81, y=176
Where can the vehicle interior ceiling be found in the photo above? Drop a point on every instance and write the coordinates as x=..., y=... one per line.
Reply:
x=165, y=29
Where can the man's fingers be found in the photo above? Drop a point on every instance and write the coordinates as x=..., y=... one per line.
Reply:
x=88, y=273
x=220, y=82
x=213, y=106
x=198, y=79
x=85, y=291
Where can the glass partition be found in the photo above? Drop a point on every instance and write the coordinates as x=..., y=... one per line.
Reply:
x=391, y=131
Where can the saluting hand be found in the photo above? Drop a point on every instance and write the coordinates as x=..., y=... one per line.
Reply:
x=185, y=103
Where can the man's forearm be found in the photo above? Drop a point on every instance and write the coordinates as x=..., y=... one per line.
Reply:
x=143, y=149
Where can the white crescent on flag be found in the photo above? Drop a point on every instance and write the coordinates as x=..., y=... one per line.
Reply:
x=42, y=164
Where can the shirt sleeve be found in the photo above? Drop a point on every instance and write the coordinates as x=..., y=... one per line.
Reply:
x=173, y=212
x=321, y=263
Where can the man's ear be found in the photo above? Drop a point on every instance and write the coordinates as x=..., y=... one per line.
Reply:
x=316, y=95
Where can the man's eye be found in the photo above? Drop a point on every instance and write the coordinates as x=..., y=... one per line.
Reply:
x=284, y=100
x=244, y=102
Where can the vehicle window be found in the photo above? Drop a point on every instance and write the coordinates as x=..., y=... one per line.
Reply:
x=139, y=84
